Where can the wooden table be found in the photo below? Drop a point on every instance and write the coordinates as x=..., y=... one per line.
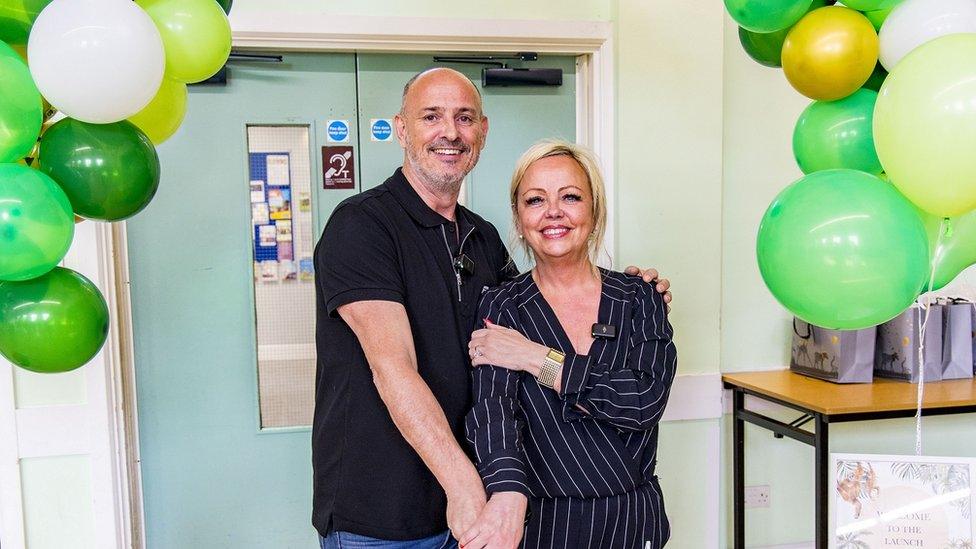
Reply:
x=822, y=403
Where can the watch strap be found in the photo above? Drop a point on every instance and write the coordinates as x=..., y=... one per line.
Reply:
x=551, y=368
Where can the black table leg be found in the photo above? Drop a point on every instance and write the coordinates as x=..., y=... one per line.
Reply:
x=822, y=474
x=738, y=471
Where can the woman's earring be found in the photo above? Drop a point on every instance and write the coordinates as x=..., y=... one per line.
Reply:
x=520, y=236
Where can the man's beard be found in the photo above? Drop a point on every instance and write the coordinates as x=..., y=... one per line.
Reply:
x=441, y=182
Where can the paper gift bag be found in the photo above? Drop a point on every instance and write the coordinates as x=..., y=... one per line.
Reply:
x=841, y=356
x=898, y=343
x=957, y=340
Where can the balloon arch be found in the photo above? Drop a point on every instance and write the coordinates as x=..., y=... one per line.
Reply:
x=87, y=89
x=886, y=208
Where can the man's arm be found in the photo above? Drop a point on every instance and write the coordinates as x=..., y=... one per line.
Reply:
x=384, y=332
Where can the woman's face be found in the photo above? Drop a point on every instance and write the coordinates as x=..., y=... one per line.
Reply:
x=554, y=207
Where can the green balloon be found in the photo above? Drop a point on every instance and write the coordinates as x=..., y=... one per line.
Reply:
x=870, y=5
x=877, y=78
x=53, y=323
x=36, y=224
x=955, y=251
x=17, y=17
x=767, y=15
x=837, y=134
x=842, y=249
x=21, y=115
x=109, y=171
x=766, y=47
x=877, y=17
x=226, y=5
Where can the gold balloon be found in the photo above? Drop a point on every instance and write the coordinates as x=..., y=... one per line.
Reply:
x=830, y=53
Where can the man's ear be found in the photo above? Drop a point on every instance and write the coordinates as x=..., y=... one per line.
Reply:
x=400, y=126
x=484, y=123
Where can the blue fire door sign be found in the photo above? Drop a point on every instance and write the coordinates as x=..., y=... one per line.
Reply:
x=338, y=131
x=381, y=129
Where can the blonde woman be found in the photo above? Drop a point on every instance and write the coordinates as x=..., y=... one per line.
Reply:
x=573, y=366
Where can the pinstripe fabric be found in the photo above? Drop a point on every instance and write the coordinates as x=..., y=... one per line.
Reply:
x=589, y=452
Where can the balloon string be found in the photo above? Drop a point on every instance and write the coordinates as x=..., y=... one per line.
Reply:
x=945, y=229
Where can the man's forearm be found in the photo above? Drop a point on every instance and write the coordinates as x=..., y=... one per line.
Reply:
x=384, y=333
x=421, y=421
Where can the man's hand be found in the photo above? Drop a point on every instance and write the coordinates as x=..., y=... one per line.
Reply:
x=651, y=275
x=500, y=525
x=464, y=505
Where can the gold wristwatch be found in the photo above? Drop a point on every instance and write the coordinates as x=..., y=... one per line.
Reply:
x=552, y=366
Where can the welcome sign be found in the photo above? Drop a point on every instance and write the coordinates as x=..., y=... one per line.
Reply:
x=902, y=501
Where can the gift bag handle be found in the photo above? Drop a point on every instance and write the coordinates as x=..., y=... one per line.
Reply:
x=809, y=331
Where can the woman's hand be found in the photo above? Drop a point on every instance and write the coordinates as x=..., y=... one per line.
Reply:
x=500, y=524
x=506, y=348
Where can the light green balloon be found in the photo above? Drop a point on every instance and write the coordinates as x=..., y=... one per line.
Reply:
x=196, y=36
x=36, y=223
x=842, y=249
x=837, y=134
x=925, y=125
x=955, y=251
x=21, y=115
x=766, y=15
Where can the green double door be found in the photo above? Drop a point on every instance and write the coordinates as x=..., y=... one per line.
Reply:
x=214, y=473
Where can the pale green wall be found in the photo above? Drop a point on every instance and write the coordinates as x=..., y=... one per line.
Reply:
x=494, y=9
x=669, y=207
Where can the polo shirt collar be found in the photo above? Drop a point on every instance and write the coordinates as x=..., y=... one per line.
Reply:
x=412, y=203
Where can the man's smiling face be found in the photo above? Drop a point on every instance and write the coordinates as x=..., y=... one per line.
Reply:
x=441, y=129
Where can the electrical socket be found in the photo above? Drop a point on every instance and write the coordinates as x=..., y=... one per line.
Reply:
x=757, y=496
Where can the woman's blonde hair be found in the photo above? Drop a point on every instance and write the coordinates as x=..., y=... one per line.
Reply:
x=588, y=163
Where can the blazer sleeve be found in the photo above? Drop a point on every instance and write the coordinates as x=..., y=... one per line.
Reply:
x=630, y=395
x=494, y=426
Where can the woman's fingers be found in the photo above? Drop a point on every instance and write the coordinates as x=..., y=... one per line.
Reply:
x=478, y=541
x=468, y=536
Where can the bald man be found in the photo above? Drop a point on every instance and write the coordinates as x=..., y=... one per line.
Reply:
x=399, y=271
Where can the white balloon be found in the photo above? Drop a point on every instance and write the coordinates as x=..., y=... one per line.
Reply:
x=915, y=22
x=96, y=60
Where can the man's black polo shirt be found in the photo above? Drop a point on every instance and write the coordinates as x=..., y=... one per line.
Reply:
x=387, y=244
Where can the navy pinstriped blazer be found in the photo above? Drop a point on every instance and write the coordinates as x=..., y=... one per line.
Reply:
x=529, y=439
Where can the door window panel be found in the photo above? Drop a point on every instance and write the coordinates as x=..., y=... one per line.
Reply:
x=280, y=189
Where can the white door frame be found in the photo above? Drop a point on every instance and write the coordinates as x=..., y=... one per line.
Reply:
x=591, y=41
